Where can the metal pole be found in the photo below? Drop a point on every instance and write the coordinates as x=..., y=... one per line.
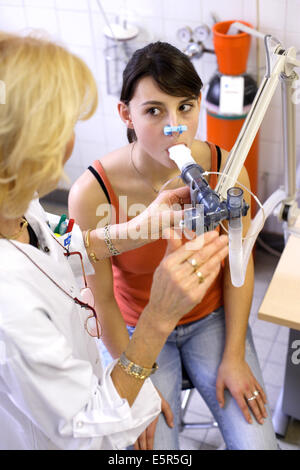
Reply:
x=289, y=132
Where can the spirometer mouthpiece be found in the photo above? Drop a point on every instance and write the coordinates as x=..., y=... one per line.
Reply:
x=181, y=155
x=168, y=130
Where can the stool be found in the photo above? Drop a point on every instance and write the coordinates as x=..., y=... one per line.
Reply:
x=189, y=389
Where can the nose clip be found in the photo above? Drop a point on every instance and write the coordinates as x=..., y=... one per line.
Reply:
x=168, y=130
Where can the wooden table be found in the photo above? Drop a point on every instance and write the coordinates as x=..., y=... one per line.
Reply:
x=281, y=305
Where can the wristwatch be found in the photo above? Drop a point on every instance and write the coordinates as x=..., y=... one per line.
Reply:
x=135, y=370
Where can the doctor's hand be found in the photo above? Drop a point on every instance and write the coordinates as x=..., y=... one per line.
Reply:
x=164, y=212
x=236, y=375
x=179, y=283
x=146, y=439
x=183, y=277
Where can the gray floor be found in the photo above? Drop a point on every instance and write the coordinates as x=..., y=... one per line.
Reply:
x=271, y=344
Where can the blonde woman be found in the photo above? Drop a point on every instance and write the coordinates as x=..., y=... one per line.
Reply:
x=54, y=393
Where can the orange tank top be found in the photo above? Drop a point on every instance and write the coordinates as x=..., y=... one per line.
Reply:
x=133, y=271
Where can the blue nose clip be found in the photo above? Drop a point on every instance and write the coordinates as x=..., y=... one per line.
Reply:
x=168, y=130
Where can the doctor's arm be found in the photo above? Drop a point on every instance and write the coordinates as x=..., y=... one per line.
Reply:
x=163, y=212
x=60, y=393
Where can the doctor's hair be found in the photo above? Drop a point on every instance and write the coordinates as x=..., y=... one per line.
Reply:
x=48, y=89
x=171, y=69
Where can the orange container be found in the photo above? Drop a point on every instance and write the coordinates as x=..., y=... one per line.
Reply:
x=231, y=50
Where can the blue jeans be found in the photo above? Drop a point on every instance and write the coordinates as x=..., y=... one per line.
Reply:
x=200, y=345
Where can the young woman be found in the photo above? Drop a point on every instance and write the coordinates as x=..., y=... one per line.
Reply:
x=213, y=341
x=54, y=393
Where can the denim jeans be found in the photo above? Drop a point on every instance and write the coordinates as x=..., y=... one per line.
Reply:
x=199, y=346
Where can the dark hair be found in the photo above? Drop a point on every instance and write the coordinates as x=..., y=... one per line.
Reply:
x=172, y=70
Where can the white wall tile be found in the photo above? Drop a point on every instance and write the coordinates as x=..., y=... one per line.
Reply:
x=179, y=10
x=43, y=19
x=271, y=127
x=80, y=5
x=292, y=16
x=73, y=172
x=109, y=6
x=293, y=40
x=11, y=2
x=229, y=10
x=92, y=151
x=92, y=129
x=12, y=19
x=146, y=8
x=40, y=3
x=150, y=30
x=250, y=12
x=115, y=131
x=75, y=27
x=270, y=157
x=272, y=14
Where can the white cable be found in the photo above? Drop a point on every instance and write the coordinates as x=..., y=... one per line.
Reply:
x=106, y=21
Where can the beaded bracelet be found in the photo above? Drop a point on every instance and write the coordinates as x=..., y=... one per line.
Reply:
x=113, y=251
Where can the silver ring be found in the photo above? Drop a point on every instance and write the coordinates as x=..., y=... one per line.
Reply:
x=256, y=393
x=252, y=398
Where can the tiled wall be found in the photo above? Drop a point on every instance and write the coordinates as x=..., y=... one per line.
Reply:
x=79, y=25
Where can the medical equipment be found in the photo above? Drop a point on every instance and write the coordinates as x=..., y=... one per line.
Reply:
x=229, y=95
x=225, y=199
x=168, y=130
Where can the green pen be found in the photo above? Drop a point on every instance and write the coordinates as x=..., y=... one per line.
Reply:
x=62, y=219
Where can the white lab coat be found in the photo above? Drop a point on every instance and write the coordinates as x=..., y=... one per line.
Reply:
x=54, y=393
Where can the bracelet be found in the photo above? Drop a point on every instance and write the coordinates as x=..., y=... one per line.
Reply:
x=87, y=245
x=113, y=251
x=133, y=369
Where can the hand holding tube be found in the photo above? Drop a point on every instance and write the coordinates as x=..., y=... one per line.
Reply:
x=176, y=287
x=164, y=212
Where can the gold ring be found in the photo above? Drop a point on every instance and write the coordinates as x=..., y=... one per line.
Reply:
x=193, y=263
x=200, y=277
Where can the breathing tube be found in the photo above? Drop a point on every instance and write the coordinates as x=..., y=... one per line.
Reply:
x=216, y=210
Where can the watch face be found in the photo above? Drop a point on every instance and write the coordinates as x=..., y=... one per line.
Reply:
x=136, y=369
